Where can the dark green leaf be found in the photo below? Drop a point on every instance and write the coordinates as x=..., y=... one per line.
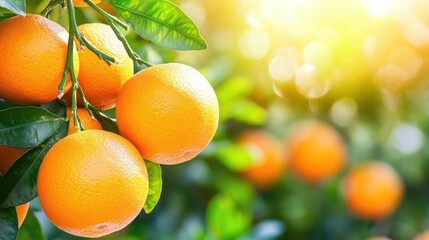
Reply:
x=161, y=22
x=107, y=123
x=155, y=186
x=24, y=127
x=30, y=229
x=18, y=185
x=16, y=6
x=8, y=223
x=57, y=107
x=5, y=104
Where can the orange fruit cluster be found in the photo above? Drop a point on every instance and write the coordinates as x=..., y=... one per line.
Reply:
x=166, y=113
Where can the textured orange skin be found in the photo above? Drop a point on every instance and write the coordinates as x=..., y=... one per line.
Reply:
x=81, y=3
x=85, y=119
x=92, y=183
x=269, y=165
x=32, y=59
x=169, y=112
x=8, y=156
x=100, y=82
x=373, y=190
x=316, y=151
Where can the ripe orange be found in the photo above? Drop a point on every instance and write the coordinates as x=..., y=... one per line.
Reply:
x=269, y=164
x=372, y=190
x=32, y=59
x=169, y=112
x=316, y=151
x=92, y=183
x=8, y=156
x=81, y=3
x=100, y=82
x=85, y=119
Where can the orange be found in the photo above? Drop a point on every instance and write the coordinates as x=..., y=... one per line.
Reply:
x=81, y=3
x=8, y=156
x=85, y=119
x=92, y=183
x=269, y=164
x=100, y=82
x=316, y=151
x=372, y=190
x=169, y=112
x=32, y=59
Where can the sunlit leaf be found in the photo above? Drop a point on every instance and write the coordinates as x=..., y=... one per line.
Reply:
x=24, y=127
x=18, y=185
x=155, y=185
x=161, y=22
x=234, y=157
x=244, y=111
x=31, y=228
x=225, y=219
x=8, y=223
x=16, y=6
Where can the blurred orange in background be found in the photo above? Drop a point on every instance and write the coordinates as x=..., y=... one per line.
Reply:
x=316, y=151
x=373, y=190
x=269, y=163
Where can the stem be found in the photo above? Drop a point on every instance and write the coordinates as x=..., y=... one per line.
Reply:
x=52, y=4
x=111, y=20
x=70, y=67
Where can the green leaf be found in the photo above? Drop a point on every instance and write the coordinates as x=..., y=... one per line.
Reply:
x=225, y=220
x=18, y=185
x=5, y=104
x=8, y=223
x=155, y=186
x=234, y=157
x=31, y=228
x=244, y=111
x=107, y=123
x=24, y=127
x=57, y=107
x=16, y=6
x=161, y=22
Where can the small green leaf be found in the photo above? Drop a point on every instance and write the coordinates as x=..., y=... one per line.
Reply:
x=244, y=111
x=31, y=228
x=18, y=185
x=8, y=223
x=161, y=22
x=108, y=124
x=234, y=157
x=155, y=186
x=225, y=220
x=16, y=6
x=24, y=127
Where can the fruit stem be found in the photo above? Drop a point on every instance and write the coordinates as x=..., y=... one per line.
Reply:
x=52, y=4
x=70, y=67
x=111, y=20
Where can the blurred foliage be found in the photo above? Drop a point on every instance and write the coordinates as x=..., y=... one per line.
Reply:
x=361, y=66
